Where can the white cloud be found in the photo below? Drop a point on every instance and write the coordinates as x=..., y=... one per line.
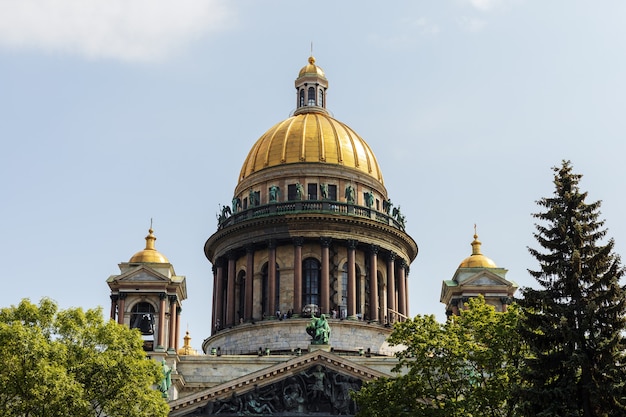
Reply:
x=129, y=30
x=489, y=5
x=484, y=5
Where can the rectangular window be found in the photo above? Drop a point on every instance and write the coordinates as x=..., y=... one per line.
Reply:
x=332, y=192
x=245, y=203
x=291, y=192
x=312, y=191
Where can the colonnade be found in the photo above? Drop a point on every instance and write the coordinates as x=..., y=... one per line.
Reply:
x=168, y=340
x=392, y=308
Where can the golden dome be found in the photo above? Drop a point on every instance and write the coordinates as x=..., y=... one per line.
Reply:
x=312, y=137
x=149, y=254
x=477, y=259
x=311, y=69
x=187, y=349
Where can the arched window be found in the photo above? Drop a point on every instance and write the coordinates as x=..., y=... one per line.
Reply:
x=343, y=302
x=311, y=282
x=311, y=97
x=142, y=318
x=320, y=100
x=265, y=290
x=359, y=289
x=301, y=100
x=241, y=289
x=382, y=299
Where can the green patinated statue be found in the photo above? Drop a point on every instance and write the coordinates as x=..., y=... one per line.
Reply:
x=319, y=330
x=166, y=381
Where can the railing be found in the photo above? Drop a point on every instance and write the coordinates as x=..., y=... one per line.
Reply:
x=308, y=206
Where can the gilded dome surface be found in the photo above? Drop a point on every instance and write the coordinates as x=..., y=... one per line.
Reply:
x=312, y=69
x=477, y=261
x=149, y=254
x=312, y=137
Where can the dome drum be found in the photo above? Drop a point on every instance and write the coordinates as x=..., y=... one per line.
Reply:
x=363, y=280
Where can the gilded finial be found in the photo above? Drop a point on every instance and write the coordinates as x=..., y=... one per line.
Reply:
x=476, y=243
x=150, y=238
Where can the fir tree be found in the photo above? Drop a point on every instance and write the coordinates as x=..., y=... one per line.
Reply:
x=573, y=325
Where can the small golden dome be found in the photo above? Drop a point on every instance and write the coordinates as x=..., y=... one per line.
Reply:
x=187, y=349
x=149, y=254
x=311, y=69
x=477, y=259
x=312, y=137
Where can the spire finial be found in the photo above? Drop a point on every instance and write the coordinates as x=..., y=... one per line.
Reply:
x=150, y=238
x=476, y=243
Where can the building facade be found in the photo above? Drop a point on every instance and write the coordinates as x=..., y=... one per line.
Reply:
x=309, y=235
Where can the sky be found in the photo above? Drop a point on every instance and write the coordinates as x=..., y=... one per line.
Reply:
x=116, y=113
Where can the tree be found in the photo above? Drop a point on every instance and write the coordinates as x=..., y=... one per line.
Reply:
x=464, y=367
x=573, y=325
x=72, y=363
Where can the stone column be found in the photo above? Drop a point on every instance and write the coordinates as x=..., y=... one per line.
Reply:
x=402, y=289
x=230, y=291
x=161, y=339
x=172, y=342
x=271, y=277
x=391, y=287
x=297, y=275
x=121, y=305
x=177, y=332
x=114, y=298
x=455, y=306
x=373, y=313
x=505, y=302
x=352, y=278
x=325, y=284
x=247, y=310
x=218, y=319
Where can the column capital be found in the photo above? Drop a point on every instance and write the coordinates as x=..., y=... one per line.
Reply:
x=271, y=243
x=122, y=296
x=505, y=300
x=172, y=298
x=114, y=297
x=374, y=249
x=352, y=243
x=162, y=296
x=298, y=241
x=250, y=248
x=391, y=256
x=454, y=302
x=325, y=241
x=231, y=255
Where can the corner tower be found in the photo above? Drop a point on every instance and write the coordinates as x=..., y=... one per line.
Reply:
x=310, y=230
x=147, y=295
x=477, y=275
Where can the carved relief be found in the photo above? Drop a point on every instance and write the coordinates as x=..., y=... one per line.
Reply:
x=316, y=391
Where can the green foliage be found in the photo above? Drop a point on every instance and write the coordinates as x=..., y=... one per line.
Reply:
x=464, y=367
x=573, y=325
x=73, y=363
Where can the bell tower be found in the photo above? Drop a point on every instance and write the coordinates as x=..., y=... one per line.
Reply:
x=148, y=295
x=477, y=275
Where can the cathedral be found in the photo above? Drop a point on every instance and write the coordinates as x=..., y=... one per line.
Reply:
x=310, y=265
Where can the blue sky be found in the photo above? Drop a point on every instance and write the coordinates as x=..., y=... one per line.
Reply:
x=113, y=112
